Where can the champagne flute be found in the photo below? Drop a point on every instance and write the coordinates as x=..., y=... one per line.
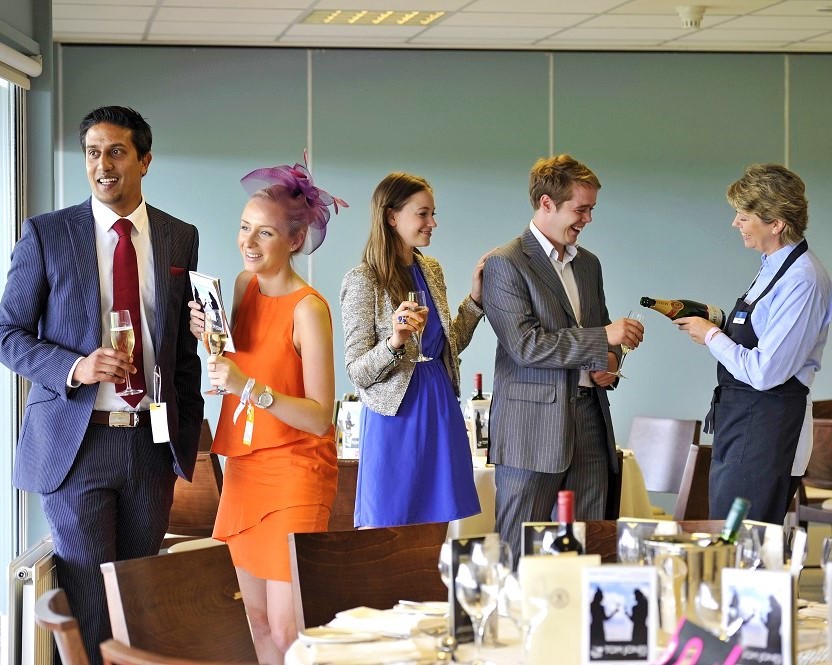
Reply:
x=123, y=339
x=421, y=308
x=638, y=316
x=214, y=338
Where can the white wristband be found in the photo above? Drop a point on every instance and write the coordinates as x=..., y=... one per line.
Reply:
x=244, y=398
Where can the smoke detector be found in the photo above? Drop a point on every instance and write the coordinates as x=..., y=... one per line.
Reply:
x=691, y=16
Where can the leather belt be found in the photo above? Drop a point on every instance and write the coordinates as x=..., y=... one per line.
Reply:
x=584, y=391
x=121, y=418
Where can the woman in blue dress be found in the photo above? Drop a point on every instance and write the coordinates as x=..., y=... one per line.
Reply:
x=415, y=462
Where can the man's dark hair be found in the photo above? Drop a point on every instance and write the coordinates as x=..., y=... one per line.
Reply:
x=122, y=116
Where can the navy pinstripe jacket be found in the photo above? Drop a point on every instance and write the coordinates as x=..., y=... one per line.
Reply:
x=49, y=316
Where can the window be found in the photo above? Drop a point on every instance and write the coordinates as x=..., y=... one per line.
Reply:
x=12, y=163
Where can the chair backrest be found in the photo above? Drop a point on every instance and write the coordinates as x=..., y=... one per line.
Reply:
x=52, y=613
x=339, y=570
x=116, y=653
x=195, y=503
x=819, y=471
x=822, y=408
x=661, y=447
x=185, y=603
x=692, y=499
x=341, y=517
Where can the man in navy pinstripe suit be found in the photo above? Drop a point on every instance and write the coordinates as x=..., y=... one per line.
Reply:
x=106, y=488
x=550, y=426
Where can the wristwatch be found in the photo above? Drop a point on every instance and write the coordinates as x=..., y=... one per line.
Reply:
x=266, y=398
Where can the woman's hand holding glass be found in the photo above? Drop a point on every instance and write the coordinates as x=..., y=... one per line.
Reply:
x=408, y=320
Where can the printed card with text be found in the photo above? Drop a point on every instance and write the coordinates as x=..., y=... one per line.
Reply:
x=620, y=614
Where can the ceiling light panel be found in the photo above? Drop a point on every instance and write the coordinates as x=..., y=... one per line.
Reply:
x=386, y=17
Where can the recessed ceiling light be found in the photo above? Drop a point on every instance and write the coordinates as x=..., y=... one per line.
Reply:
x=371, y=17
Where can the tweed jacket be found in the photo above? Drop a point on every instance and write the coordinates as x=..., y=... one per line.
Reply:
x=380, y=379
x=540, y=352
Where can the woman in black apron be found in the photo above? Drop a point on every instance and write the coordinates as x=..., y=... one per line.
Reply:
x=768, y=360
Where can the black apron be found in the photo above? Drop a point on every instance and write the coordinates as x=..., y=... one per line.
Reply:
x=755, y=431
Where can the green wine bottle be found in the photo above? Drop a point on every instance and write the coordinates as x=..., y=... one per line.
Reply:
x=733, y=523
x=676, y=309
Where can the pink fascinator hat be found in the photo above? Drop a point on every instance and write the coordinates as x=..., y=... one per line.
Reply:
x=297, y=181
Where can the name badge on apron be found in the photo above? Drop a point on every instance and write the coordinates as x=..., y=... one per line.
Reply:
x=739, y=318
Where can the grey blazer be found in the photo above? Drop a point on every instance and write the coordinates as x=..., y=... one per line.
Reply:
x=540, y=352
x=366, y=311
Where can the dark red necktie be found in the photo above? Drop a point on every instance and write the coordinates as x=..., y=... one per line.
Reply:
x=126, y=296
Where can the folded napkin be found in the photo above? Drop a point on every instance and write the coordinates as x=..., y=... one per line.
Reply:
x=362, y=653
x=390, y=623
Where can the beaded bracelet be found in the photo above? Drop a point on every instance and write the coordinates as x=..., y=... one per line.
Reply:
x=396, y=353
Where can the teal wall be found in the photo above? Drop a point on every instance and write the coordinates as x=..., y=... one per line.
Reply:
x=666, y=134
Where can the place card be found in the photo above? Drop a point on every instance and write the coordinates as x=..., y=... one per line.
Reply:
x=758, y=607
x=619, y=614
x=556, y=583
x=535, y=536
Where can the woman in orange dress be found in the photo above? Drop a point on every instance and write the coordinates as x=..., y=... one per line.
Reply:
x=275, y=427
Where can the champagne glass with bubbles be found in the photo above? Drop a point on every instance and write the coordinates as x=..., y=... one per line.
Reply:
x=123, y=339
x=214, y=338
x=637, y=316
x=421, y=308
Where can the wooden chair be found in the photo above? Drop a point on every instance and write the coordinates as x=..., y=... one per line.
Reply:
x=185, y=603
x=195, y=504
x=602, y=535
x=342, y=516
x=52, y=613
x=818, y=476
x=671, y=460
x=339, y=570
x=116, y=653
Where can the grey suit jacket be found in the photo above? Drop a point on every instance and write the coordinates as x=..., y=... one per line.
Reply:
x=50, y=315
x=540, y=352
x=366, y=311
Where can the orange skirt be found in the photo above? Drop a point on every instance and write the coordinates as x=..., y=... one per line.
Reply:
x=271, y=493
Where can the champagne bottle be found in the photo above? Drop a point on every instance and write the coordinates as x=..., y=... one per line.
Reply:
x=733, y=523
x=676, y=309
x=565, y=540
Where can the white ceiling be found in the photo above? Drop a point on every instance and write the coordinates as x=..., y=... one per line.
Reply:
x=629, y=25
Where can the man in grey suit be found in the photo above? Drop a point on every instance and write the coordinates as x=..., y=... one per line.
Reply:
x=106, y=487
x=543, y=295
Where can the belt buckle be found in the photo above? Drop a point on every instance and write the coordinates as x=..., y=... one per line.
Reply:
x=123, y=419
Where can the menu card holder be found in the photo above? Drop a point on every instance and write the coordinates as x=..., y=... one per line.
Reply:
x=620, y=615
x=758, y=608
x=535, y=534
x=459, y=623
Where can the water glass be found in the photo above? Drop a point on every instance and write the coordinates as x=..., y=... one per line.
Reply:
x=477, y=588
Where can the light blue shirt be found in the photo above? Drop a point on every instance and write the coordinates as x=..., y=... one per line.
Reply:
x=791, y=323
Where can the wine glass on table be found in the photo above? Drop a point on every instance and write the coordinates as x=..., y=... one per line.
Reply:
x=421, y=308
x=123, y=339
x=477, y=587
x=637, y=316
x=214, y=338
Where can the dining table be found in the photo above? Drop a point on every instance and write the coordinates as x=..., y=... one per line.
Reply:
x=378, y=647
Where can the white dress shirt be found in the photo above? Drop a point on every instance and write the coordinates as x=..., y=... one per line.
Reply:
x=564, y=270
x=105, y=244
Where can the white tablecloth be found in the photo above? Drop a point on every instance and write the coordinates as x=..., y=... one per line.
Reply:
x=634, y=499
